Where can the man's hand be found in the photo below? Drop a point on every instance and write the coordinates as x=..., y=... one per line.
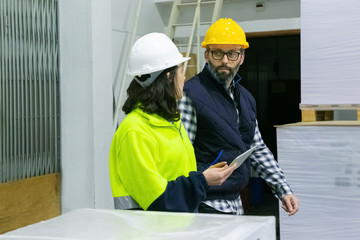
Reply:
x=290, y=204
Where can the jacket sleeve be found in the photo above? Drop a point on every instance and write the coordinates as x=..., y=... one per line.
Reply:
x=184, y=194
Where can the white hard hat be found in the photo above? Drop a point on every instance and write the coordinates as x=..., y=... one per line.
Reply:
x=152, y=53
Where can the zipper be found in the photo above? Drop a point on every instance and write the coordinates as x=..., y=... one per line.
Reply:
x=180, y=130
x=177, y=129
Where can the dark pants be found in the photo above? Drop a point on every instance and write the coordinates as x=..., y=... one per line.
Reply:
x=203, y=208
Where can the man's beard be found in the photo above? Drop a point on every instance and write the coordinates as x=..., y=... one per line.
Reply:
x=223, y=77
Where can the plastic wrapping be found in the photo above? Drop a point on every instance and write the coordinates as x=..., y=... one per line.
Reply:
x=322, y=166
x=124, y=224
x=330, y=59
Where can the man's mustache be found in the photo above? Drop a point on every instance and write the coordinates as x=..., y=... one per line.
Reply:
x=223, y=66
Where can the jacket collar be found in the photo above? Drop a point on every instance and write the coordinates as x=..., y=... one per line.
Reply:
x=155, y=119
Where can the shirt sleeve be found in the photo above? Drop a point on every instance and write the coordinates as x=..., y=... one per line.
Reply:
x=264, y=163
x=188, y=116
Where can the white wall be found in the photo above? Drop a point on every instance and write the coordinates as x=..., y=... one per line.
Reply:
x=277, y=15
x=123, y=23
x=93, y=36
x=86, y=102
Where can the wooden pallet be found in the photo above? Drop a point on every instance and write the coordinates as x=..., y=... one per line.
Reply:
x=315, y=113
x=29, y=201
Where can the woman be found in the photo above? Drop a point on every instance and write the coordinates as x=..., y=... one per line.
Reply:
x=152, y=161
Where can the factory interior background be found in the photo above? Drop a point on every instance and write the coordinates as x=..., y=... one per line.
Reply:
x=63, y=81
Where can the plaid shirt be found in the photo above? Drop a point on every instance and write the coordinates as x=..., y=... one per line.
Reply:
x=262, y=160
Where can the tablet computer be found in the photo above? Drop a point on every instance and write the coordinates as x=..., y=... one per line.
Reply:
x=242, y=157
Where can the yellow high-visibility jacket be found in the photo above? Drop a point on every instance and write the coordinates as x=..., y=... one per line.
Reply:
x=147, y=152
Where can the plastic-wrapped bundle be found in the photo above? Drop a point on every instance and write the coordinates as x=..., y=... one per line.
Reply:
x=126, y=224
x=330, y=59
x=322, y=165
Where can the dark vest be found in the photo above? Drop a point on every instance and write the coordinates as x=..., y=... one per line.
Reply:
x=217, y=129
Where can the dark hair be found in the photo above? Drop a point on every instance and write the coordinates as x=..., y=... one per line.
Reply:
x=159, y=98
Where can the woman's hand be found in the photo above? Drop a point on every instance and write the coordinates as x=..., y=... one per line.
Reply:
x=216, y=174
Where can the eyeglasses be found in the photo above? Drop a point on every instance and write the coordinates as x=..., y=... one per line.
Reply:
x=218, y=55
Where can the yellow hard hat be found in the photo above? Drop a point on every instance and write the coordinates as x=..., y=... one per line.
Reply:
x=225, y=31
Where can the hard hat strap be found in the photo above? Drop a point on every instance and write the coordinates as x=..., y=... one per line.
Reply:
x=149, y=80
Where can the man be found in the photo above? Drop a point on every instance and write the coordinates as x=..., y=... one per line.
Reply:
x=220, y=117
